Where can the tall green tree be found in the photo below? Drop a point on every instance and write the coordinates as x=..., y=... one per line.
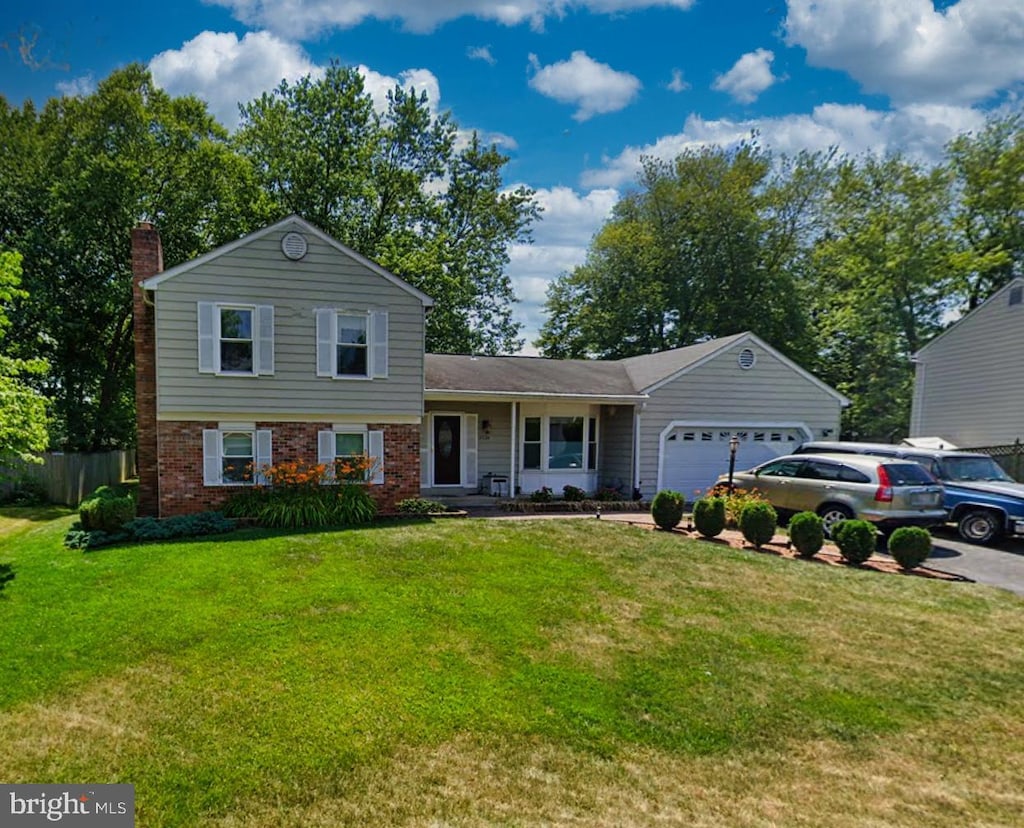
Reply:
x=882, y=280
x=710, y=244
x=397, y=187
x=989, y=186
x=77, y=177
x=23, y=416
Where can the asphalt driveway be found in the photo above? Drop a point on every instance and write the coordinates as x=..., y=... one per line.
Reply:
x=1001, y=566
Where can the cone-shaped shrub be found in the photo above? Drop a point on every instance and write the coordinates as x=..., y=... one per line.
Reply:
x=910, y=546
x=667, y=509
x=757, y=523
x=807, y=534
x=709, y=516
x=855, y=539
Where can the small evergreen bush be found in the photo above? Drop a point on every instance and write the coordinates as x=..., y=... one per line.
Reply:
x=757, y=522
x=574, y=494
x=709, y=516
x=667, y=509
x=106, y=509
x=150, y=529
x=855, y=539
x=910, y=546
x=608, y=494
x=807, y=533
x=542, y=495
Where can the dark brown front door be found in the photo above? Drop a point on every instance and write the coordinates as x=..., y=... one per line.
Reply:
x=447, y=450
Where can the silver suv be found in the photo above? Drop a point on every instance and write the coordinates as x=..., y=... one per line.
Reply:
x=886, y=492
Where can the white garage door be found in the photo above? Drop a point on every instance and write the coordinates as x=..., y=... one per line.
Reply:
x=696, y=456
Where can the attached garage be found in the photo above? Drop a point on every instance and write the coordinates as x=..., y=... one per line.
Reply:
x=695, y=454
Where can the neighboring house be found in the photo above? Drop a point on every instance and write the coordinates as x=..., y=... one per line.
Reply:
x=969, y=381
x=286, y=345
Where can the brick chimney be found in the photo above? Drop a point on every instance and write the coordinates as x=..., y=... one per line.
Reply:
x=147, y=260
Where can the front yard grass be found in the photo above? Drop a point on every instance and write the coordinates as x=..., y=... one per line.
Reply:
x=517, y=673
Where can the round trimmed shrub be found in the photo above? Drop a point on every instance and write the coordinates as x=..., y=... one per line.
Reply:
x=709, y=516
x=910, y=546
x=807, y=533
x=855, y=539
x=106, y=512
x=667, y=509
x=757, y=522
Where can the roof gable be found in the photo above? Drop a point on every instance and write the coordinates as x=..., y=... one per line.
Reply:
x=293, y=222
x=970, y=316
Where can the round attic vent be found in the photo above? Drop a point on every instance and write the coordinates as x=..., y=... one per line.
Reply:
x=294, y=246
x=746, y=359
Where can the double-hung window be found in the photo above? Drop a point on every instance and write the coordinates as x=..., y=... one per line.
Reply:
x=236, y=339
x=352, y=453
x=235, y=454
x=351, y=344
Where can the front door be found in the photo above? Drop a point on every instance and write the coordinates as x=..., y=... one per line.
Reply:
x=447, y=450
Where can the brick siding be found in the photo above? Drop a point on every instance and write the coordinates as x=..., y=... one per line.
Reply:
x=181, y=463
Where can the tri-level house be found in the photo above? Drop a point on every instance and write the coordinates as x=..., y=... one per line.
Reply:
x=286, y=345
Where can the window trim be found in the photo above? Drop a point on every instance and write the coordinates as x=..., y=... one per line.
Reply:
x=213, y=453
x=208, y=324
x=545, y=441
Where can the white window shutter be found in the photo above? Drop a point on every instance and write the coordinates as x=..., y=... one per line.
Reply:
x=425, y=452
x=375, y=448
x=379, y=344
x=325, y=450
x=211, y=457
x=469, y=440
x=263, y=454
x=265, y=328
x=326, y=340
x=206, y=312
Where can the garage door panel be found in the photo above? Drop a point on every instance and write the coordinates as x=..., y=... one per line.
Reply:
x=695, y=456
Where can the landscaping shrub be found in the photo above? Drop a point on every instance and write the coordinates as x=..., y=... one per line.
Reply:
x=573, y=494
x=25, y=492
x=910, y=546
x=421, y=506
x=709, y=516
x=757, y=522
x=106, y=509
x=247, y=502
x=855, y=539
x=289, y=509
x=150, y=529
x=608, y=494
x=354, y=506
x=6, y=575
x=807, y=533
x=542, y=495
x=735, y=502
x=667, y=509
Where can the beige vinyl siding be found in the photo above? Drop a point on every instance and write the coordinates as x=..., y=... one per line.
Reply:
x=258, y=273
x=969, y=386
x=719, y=391
x=615, y=450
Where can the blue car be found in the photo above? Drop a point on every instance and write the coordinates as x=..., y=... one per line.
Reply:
x=983, y=501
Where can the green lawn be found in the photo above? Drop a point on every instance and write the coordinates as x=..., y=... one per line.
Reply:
x=571, y=672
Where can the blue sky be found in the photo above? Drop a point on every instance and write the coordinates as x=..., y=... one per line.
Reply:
x=573, y=92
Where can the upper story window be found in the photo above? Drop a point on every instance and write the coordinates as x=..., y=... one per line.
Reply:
x=235, y=338
x=351, y=344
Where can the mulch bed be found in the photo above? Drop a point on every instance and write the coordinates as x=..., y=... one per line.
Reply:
x=828, y=555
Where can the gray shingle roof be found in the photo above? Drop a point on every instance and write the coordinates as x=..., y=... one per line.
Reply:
x=583, y=377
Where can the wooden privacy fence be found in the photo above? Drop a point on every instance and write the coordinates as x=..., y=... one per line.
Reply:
x=69, y=477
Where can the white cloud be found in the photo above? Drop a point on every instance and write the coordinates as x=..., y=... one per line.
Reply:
x=561, y=237
x=223, y=70
x=77, y=87
x=920, y=131
x=595, y=88
x=749, y=76
x=677, y=84
x=307, y=18
x=481, y=53
x=912, y=51
x=377, y=86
